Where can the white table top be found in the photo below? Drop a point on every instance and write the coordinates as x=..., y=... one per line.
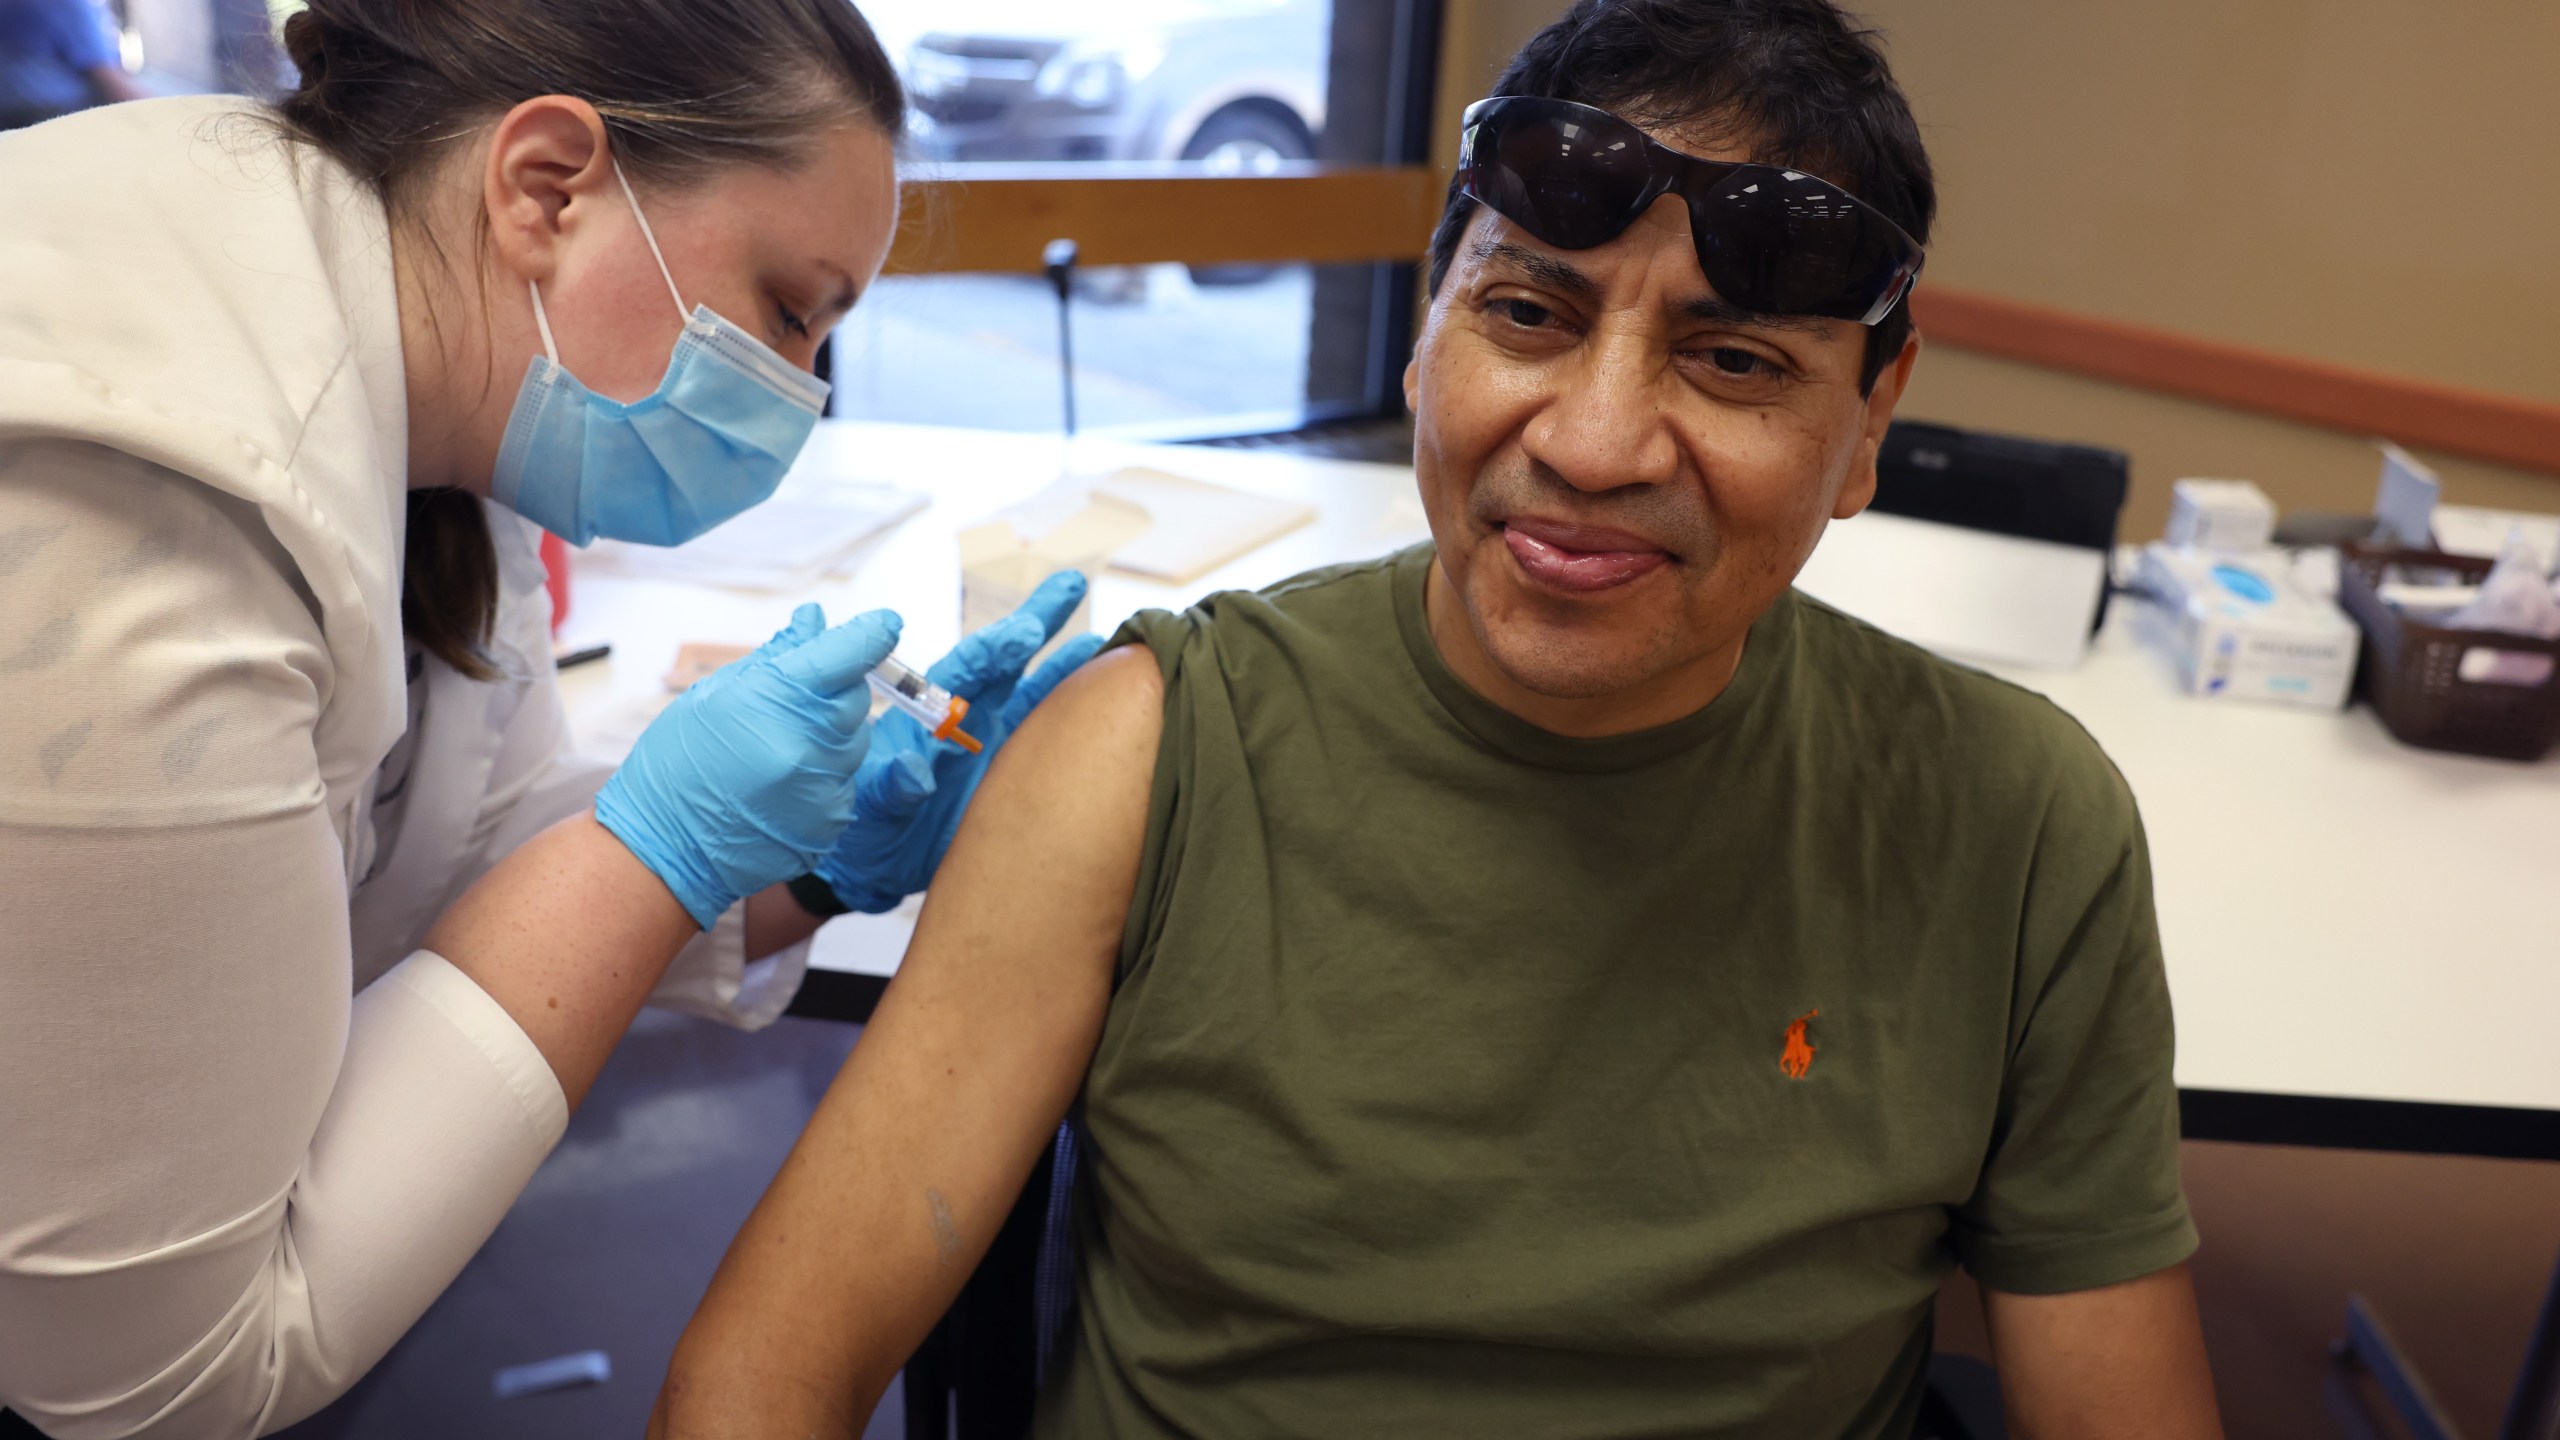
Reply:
x=2343, y=916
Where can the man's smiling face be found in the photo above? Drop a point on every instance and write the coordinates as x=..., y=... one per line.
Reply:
x=1623, y=471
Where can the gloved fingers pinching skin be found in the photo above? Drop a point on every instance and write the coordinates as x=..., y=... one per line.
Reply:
x=913, y=788
x=894, y=783
x=749, y=778
x=983, y=667
x=1054, y=600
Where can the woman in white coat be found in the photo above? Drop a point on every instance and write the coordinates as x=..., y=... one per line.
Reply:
x=309, y=937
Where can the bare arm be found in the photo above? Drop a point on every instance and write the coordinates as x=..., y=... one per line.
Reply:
x=569, y=934
x=2119, y=1361
x=916, y=1154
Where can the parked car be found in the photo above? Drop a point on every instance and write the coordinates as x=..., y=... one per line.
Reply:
x=1235, y=84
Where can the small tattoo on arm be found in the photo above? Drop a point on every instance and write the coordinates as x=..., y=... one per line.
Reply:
x=946, y=1232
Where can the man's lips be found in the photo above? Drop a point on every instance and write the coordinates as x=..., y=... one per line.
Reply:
x=1580, y=558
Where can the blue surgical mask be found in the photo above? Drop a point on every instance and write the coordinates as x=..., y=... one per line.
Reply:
x=715, y=438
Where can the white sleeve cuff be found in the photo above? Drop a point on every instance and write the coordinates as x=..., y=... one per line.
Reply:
x=712, y=979
x=432, y=979
x=441, y=1114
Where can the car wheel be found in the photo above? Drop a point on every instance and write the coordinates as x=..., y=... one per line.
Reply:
x=1244, y=141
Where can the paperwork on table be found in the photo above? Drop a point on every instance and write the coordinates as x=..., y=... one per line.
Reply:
x=1060, y=528
x=787, y=544
x=1148, y=523
x=1194, y=527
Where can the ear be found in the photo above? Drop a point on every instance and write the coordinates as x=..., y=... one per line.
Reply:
x=549, y=168
x=1413, y=383
x=1861, y=485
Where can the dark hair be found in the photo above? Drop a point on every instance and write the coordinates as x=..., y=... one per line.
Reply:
x=684, y=87
x=1797, y=79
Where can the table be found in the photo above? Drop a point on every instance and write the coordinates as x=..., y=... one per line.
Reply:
x=2363, y=940
x=1362, y=510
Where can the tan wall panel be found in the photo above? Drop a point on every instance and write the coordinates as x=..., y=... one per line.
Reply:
x=2455, y=1252
x=1476, y=41
x=2368, y=182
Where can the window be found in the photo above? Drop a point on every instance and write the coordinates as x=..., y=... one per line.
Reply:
x=1008, y=90
x=184, y=46
x=1208, y=89
x=1154, y=347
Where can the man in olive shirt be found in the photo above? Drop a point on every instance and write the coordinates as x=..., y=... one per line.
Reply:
x=1554, y=981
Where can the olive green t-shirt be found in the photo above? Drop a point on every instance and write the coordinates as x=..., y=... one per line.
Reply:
x=1453, y=1085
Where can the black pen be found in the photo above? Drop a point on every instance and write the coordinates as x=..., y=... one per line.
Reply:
x=581, y=657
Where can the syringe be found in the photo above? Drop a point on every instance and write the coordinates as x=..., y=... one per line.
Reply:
x=936, y=709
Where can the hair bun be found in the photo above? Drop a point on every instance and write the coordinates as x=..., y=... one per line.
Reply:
x=306, y=41
x=339, y=57
x=328, y=45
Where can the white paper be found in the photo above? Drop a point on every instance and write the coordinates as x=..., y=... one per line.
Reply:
x=2405, y=499
x=1969, y=594
x=784, y=545
x=1003, y=560
x=1195, y=526
x=2482, y=534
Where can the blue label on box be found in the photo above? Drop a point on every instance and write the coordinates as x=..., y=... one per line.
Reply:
x=2244, y=584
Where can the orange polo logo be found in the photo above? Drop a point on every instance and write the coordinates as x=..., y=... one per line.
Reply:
x=1797, y=1058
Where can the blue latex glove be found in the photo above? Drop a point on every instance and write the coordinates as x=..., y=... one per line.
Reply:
x=912, y=790
x=748, y=777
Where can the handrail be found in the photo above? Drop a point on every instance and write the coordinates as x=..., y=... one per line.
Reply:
x=1000, y=218
x=2476, y=423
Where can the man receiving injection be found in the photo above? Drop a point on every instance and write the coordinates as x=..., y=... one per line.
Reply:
x=1558, y=979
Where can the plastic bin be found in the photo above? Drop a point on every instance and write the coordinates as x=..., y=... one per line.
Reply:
x=2412, y=673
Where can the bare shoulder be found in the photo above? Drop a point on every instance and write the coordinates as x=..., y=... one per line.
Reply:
x=1124, y=686
x=1049, y=848
x=1100, y=727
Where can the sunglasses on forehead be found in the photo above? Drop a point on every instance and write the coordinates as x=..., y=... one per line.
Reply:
x=1771, y=240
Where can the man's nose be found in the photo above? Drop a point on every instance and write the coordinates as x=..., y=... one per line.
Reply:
x=1603, y=425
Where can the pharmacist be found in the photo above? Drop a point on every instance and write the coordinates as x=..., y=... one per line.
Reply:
x=311, y=933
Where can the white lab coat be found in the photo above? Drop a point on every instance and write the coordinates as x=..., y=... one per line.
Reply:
x=248, y=1131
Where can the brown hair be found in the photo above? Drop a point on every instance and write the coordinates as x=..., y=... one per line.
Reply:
x=684, y=87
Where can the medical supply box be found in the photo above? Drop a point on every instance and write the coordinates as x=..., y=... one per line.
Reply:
x=2227, y=517
x=2239, y=626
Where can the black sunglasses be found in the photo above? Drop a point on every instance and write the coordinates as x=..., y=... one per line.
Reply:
x=1771, y=240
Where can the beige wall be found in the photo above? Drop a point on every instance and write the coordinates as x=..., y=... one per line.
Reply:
x=2368, y=182
x=1476, y=41
x=2452, y=1252
x=2373, y=182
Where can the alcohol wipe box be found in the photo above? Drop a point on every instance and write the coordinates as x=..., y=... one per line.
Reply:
x=2238, y=626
